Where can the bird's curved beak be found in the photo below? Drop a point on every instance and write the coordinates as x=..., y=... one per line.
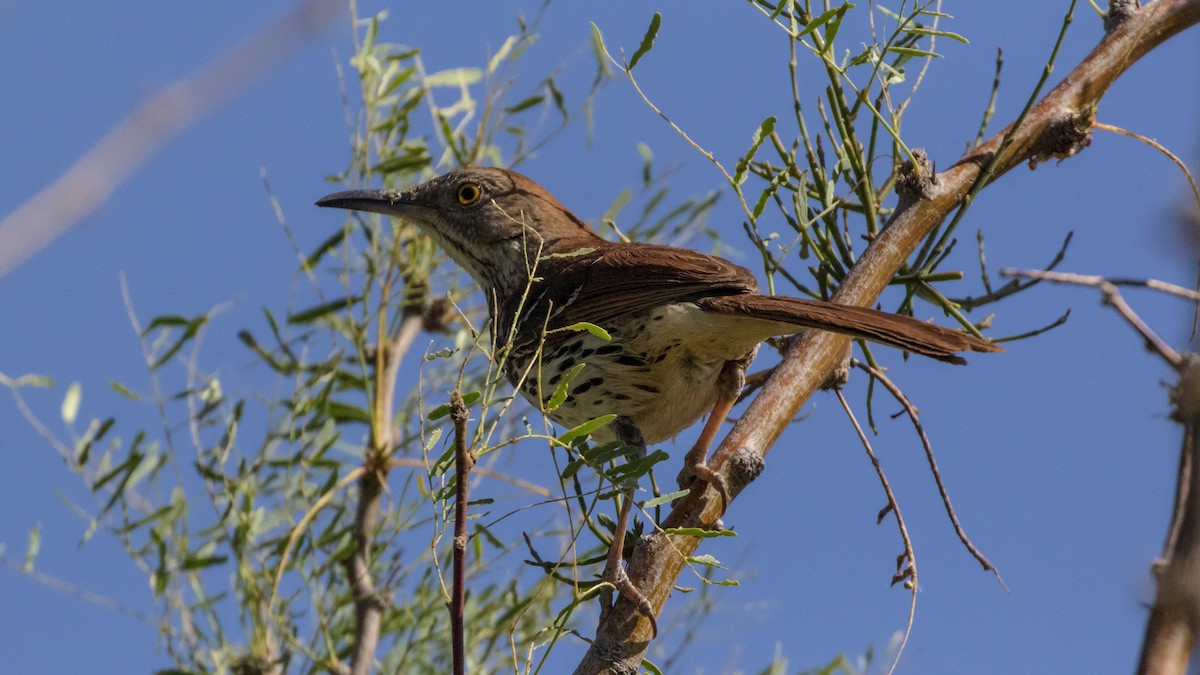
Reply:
x=375, y=201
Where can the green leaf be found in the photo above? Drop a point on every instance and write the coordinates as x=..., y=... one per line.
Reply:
x=741, y=171
x=560, y=390
x=38, y=381
x=916, y=53
x=454, y=77
x=601, y=54
x=123, y=390
x=834, y=15
x=200, y=562
x=586, y=428
x=705, y=560
x=647, y=40
x=501, y=54
x=591, y=328
x=325, y=247
x=558, y=98
x=444, y=409
x=70, y=404
x=699, y=532
x=344, y=412
x=316, y=312
x=663, y=499
x=190, y=328
x=939, y=33
x=31, y=549
x=83, y=448
x=651, y=667
x=410, y=161
x=528, y=102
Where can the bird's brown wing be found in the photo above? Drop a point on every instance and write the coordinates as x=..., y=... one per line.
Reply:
x=597, y=285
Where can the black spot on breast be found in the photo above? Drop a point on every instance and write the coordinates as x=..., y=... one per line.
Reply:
x=608, y=349
x=647, y=388
x=629, y=360
x=587, y=385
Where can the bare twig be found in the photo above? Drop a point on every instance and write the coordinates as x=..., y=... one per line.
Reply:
x=1113, y=297
x=462, y=470
x=1157, y=146
x=96, y=175
x=913, y=415
x=906, y=564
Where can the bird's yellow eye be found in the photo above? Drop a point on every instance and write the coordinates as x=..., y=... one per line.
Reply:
x=469, y=193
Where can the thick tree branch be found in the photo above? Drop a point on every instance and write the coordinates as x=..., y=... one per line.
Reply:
x=1051, y=129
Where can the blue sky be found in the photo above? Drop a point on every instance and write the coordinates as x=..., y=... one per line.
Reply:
x=1058, y=454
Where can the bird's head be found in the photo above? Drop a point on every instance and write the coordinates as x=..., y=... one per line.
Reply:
x=493, y=222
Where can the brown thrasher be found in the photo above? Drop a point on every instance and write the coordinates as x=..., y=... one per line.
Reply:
x=683, y=325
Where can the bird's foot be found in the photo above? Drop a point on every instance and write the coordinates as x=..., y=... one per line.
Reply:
x=699, y=470
x=615, y=575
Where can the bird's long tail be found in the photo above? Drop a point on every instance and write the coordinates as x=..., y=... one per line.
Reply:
x=894, y=330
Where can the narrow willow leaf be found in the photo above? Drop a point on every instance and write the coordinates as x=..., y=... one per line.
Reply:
x=34, y=545
x=444, y=409
x=647, y=40
x=409, y=161
x=560, y=390
x=123, y=390
x=591, y=328
x=70, y=404
x=705, y=560
x=938, y=33
x=663, y=499
x=316, y=312
x=200, y=562
x=601, y=54
x=586, y=428
x=344, y=412
x=525, y=104
x=501, y=54
x=699, y=532
x=823, y=19
x=742, y=170
x=916, y=53
x=454, y=77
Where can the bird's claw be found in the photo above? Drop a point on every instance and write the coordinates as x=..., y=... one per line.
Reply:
x=615, y=575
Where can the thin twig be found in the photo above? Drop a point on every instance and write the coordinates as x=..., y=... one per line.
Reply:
x=1157, y=146
x=913, y=416
x=77, y=591
x=1112, y=296
x=462, y=469
x=83, y=187
x=906, y=564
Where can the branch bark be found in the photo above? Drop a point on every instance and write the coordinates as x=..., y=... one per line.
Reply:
x=1049, y=130
x=1174, y=618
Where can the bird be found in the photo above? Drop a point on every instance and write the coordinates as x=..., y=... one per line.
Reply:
x=677, y=328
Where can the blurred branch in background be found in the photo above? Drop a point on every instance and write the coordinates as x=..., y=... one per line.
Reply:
x=83, y=187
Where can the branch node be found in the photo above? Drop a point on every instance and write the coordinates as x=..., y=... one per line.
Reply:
x=744, y=466
x=915, y=182
x=1118, y=12
x=1065, y=136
